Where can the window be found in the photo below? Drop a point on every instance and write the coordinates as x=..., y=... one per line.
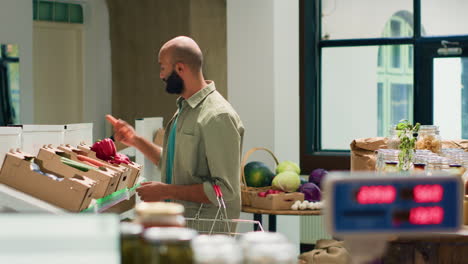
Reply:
x=368, y=64
x=57, y=12
x=9, y=85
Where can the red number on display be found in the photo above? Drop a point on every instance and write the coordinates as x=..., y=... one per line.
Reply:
x=426, y=215
x=428, y=193
x=376, y=194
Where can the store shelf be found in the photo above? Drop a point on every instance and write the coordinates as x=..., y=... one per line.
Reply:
x=21, y=202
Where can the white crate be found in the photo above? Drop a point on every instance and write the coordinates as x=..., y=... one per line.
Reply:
x=77, y=133
x=10, y=138
x=147, y=127
x=35, y=136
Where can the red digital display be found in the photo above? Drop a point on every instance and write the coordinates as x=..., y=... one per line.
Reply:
x=378, y=194
x=426, y=215
x=428, y=193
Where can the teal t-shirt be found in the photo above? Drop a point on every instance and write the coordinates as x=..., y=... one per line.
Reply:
x=171, y=149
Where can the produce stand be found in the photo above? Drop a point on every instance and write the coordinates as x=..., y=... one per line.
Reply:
x=273, y=213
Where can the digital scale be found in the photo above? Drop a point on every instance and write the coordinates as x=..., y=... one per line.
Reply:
x=365, y=208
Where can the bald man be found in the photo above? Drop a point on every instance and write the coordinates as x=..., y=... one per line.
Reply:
x=203, y=140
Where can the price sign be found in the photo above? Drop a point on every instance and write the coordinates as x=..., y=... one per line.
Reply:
x=366, y=202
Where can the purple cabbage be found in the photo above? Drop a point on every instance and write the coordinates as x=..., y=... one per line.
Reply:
x=311, y=192
x=317, y=176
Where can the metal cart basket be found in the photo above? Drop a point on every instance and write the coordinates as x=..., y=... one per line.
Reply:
x=220, y=224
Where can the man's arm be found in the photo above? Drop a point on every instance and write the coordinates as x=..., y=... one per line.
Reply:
x=125, y=133
x=150, y=150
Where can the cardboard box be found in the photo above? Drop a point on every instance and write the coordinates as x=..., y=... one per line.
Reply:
x=106, y=179
x=10, y=138
x=77, y=133
x=123, y=206
x=135, y=168
x=72, y=193
x=280, y=201
x=124, y=172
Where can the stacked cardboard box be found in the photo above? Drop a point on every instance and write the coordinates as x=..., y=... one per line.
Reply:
x=72, y=191
x=124, y=172
x=107, y=180
x=280, y=201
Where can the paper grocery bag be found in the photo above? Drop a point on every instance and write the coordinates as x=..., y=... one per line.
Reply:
x=327, y=251
x=459, y=143
x=363, y=152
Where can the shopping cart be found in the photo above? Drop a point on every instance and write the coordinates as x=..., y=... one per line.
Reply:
x=220, y=224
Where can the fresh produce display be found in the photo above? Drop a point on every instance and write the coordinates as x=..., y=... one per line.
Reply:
x=311, y=192
x=288, y=166
x=287, y=181
x=317, y=176
x=105, y=150
x=257, y=174
x=270, y=191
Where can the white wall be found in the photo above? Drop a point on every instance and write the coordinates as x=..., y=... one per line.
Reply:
x=16, y=28
x=97, y=91
x=251, y=69
x=263, y=80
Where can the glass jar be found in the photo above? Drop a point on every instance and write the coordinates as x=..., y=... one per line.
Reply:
x=271, y=253
x=261, y=247
x=437, y=164
x=160, y=214
x=393, y=140
x=428, y=138
x=216, y=249
x=390, y=161
x=420, y=163
x=131, y=245
x=457, y=162
x=169, y=245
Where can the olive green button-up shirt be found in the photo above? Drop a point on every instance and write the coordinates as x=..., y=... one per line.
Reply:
x=208, y=147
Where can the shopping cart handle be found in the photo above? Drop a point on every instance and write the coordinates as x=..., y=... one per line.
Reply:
x=217, y=190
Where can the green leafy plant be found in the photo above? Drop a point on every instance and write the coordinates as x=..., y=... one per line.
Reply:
x=406, y=133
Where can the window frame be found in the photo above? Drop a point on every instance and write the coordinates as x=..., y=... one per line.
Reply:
x=424, y=51
x=6, y=59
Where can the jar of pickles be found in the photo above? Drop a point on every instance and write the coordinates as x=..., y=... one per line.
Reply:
x=428, y=138
x=169, y=245
x=160, y=214
x=131, y=244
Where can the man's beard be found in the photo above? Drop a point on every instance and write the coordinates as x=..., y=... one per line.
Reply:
x=174, y=84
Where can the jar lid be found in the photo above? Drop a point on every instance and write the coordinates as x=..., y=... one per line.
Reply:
x=130, y=229
x=261, y=237
x=169, y=234
x=162, y=208
x=429, y=127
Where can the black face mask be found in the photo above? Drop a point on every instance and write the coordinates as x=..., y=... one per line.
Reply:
x=174, y=84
